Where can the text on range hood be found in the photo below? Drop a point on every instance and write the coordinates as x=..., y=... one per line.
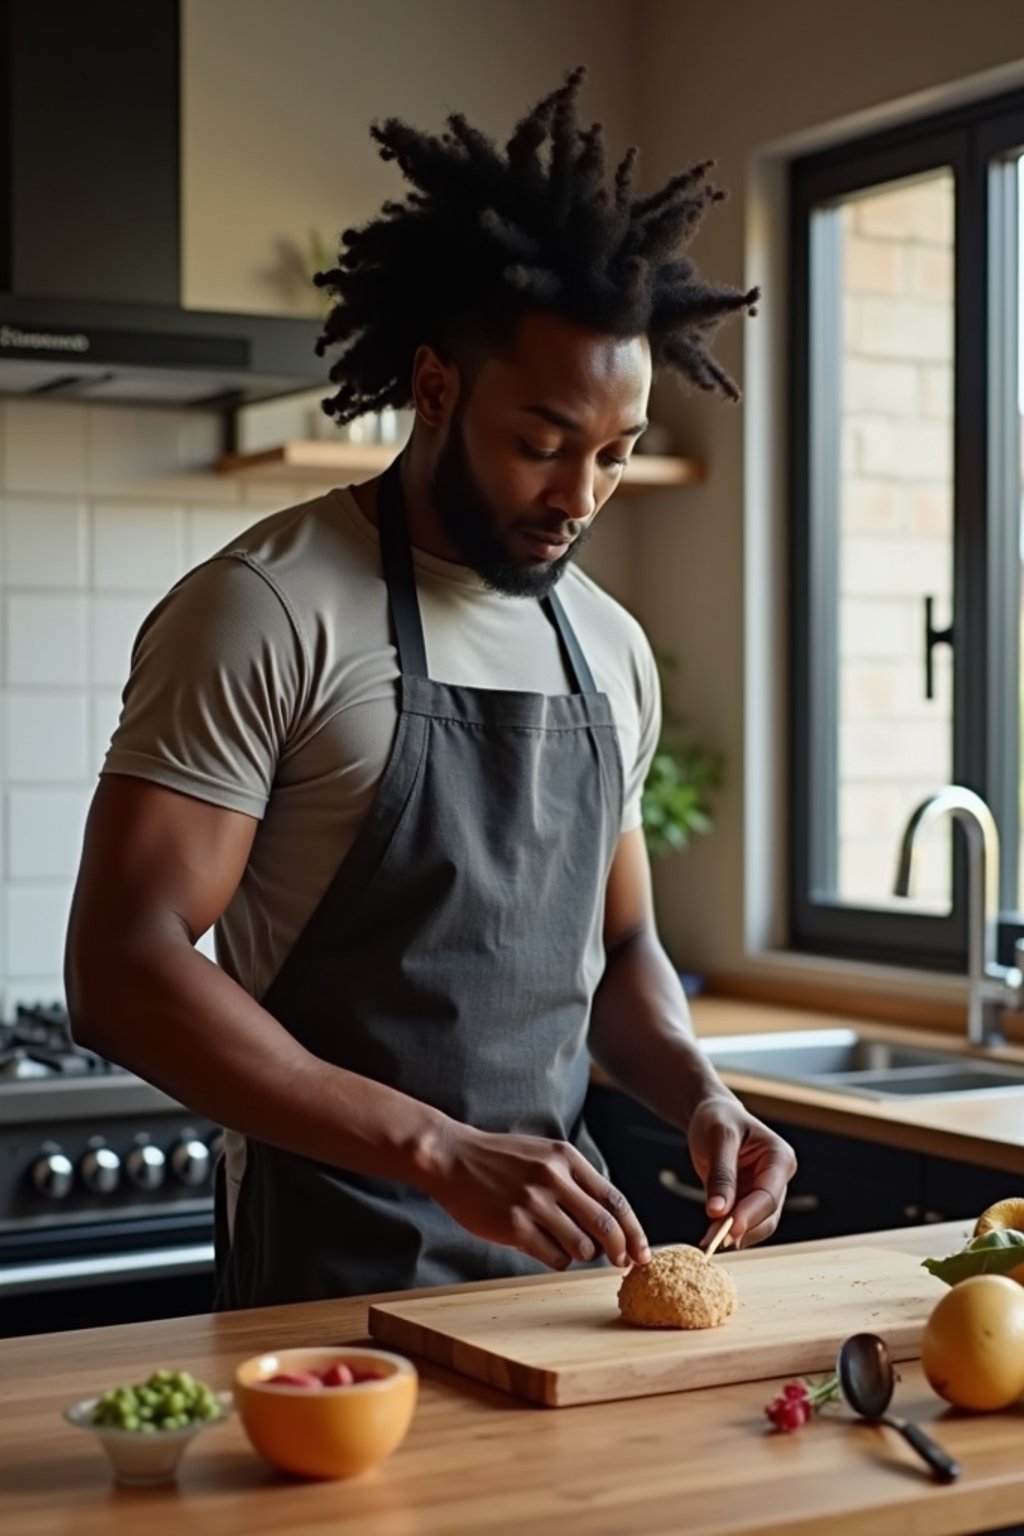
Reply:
x=90, y=223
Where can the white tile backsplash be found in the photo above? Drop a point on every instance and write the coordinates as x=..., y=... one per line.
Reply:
x=115, y=623
x=37, y=920
x=131, y=447
x=30, y=990
x=136, y=546
x=102, y=508
x=46, y=640
x=44, y=542
x=44, y=832
x=105, y=711
x=208, y=530
x=46, y=738
x=45, y=447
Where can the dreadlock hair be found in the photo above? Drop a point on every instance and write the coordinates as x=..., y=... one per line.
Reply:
x=484, y=237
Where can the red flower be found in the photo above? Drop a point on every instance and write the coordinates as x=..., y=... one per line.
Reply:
x=798, y=1402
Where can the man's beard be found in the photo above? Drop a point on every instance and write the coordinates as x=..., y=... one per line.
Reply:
x=468, y=519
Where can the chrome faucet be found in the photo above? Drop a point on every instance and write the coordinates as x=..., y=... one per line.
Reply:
x=992, y=988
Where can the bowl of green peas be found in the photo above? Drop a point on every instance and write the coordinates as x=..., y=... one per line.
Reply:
x=145, y=1429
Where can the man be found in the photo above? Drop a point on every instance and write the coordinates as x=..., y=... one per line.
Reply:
x=392, y=742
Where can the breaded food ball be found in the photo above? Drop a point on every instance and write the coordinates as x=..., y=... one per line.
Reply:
x=679, y=1288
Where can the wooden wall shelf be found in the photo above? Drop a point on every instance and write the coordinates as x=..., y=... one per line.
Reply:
x=324, y=463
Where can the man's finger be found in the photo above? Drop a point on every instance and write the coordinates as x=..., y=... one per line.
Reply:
x=722, y=1155
x=568, y=1230
x=755, y=1235
x=750, y=1211
x=611, y=1213
x=727, y=1242
x=765, y=1200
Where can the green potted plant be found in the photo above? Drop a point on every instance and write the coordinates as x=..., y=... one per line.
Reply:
x=683, y=776
x=676, y=803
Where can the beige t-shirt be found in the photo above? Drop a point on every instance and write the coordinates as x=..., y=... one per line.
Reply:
x=265, y=682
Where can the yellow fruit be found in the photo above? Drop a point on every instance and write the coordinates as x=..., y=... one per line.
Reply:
x=972, y=1349
x=1005, y=1213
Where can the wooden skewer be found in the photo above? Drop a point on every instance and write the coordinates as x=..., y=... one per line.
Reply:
x=722, y=1232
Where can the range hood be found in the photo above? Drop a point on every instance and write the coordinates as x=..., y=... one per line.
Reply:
x=90, y=222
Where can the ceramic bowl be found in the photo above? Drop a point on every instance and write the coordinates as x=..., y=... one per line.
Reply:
x=326, y=1432
x=140, y=1458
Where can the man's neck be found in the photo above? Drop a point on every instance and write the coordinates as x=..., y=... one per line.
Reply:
x=422, y=521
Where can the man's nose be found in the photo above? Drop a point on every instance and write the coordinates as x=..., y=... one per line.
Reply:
x=572, y=494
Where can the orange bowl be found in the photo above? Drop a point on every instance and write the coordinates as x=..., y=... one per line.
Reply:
x=326, y=1431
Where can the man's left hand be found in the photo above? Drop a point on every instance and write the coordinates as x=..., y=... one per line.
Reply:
x=743, y=1166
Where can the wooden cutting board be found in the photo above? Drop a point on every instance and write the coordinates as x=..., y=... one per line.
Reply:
x=562, y=1341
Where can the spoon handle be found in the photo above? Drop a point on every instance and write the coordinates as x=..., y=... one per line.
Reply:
x=940, y=1461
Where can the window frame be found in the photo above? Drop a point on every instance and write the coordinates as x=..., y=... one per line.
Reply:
x=986, y=569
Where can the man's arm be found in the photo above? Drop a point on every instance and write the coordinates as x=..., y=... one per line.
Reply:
x=642, y=1036
x=158, y=868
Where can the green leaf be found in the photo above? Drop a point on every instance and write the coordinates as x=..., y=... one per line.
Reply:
x=994, y=1254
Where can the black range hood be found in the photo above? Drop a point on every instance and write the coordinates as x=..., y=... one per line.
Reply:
x=90, y=222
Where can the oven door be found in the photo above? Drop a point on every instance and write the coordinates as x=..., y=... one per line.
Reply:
x=118, y=1271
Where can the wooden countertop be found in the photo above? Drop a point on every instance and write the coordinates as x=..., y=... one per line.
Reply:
x=479, y=1463
x=985, y=1128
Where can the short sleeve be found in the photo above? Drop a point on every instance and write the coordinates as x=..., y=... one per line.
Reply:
x=217, y=679
x=648, y=695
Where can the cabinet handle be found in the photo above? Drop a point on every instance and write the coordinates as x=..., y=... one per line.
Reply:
x=675, y=1186
x=800, y=1203
x=795, y=1204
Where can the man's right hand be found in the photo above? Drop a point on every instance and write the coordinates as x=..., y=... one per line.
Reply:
x=541, y=1197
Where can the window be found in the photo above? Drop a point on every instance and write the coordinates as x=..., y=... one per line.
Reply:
x=907, y=535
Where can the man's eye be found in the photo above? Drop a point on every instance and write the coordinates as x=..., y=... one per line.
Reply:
x=538, y=453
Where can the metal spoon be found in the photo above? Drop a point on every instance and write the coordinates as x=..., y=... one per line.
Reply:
x=867, y=1381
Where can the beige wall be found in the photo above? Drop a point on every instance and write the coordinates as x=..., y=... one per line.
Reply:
x=724, y=81
x=278, y=96
x=277, y=99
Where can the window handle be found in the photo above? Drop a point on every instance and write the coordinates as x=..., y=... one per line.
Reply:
x=932, y=638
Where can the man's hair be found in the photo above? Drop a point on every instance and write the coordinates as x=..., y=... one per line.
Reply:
x=486, y=236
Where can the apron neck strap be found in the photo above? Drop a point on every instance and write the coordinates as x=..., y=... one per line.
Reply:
x=400, y=576
x=396, y=557
x=572, y=652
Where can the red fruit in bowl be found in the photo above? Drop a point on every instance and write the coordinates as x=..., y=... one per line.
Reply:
x=294, y=1379
x=337, y=1375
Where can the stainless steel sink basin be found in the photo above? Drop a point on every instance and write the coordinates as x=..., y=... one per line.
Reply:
x=849, y=1062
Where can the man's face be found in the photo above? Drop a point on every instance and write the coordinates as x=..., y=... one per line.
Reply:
x=536, y=449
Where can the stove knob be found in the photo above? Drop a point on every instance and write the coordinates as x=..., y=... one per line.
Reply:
x=216, y=1145
x=53, y=1175
x=146, y=1166
x=100, y=1169
x=190, y=1160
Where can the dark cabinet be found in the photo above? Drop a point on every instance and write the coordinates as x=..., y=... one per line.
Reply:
x=955, y=1191
x=842, y=1186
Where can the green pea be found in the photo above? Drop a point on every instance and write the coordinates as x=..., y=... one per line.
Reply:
x=167, y=1400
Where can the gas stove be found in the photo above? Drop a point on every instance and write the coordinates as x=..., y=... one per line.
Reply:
x=38, y=1044
x=103, y=1177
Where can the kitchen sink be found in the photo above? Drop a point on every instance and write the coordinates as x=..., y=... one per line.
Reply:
x=848, y=1062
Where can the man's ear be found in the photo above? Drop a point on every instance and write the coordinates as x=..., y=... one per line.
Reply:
x=435, y=387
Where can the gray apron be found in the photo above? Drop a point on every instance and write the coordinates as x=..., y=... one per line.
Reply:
x=454, y=957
